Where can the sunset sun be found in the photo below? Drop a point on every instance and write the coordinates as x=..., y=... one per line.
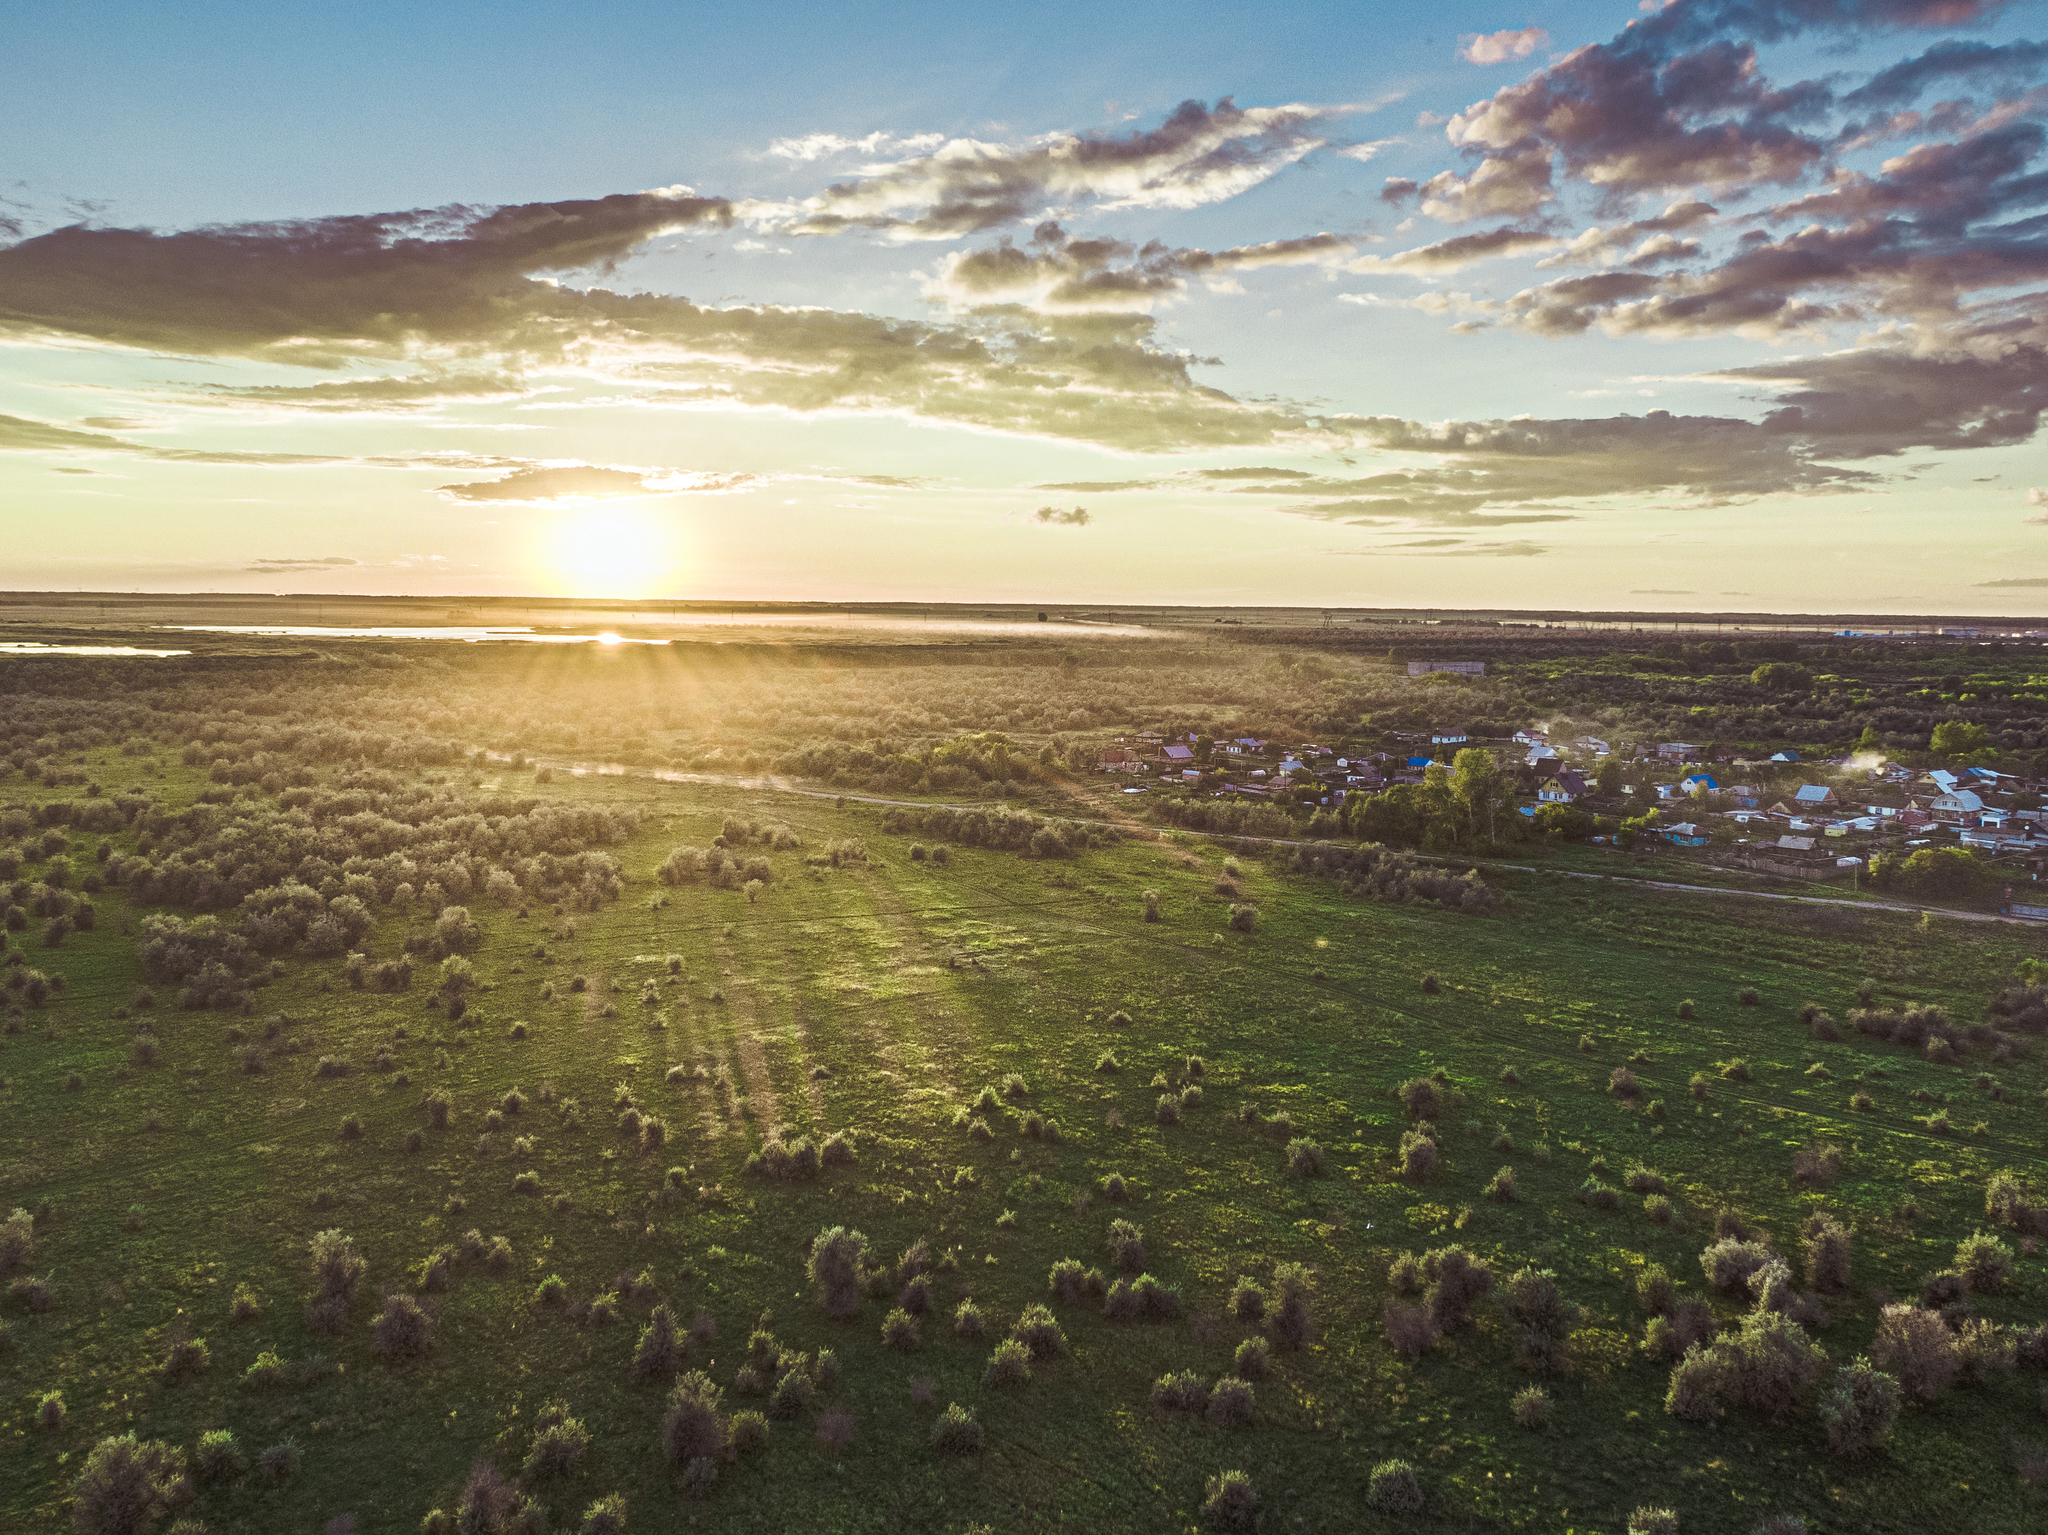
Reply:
x=611, y=551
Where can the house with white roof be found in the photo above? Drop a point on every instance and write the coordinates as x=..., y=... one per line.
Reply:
x=1959, y=807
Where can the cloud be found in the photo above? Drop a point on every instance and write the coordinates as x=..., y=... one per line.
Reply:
x=822, y=146
x=1501, y=47
x=19, y=434
x=2017, y=581
x=1197, y=156
x=1508, y=185
x=1599, y=246
x=422, y=288
x=332, y=561
x=1053, y=516
x=1056, y=273
x=1459, y=251
x=1365, y=152
x=555, y=484
x=1100, y=487
x=2006, y=65
x=356, y=396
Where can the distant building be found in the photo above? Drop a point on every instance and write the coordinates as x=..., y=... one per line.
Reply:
x=1565, y=787
x=1118, y=759
x=1462, y=668
x=1178, y=754
x=1449, y=735
x=1679, y=751
x=1811, y=796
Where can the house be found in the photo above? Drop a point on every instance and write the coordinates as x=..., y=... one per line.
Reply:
x=1460, y=668
x=1914, y=819
x=1744, y=795
x=1179, y=754
x=1539, y=754
x=1942, y=779
x=1697, y=783
x=1678, y=751
x=1787, y=755
x=1795, y=844
x=1811, y=796
x=1118, y=759
x=1566, y=786
x=1593, y=744
x=1959, y=808
x=1449, y=735
x=1529, y=738
x=1684, y=834
x=1419, y=763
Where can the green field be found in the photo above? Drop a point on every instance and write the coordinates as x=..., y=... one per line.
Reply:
x=879, y=999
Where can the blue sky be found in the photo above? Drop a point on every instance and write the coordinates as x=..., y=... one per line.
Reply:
x=1240, y=335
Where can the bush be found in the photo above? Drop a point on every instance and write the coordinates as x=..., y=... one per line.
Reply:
x=218, y=1458
x=1531, y=1407
x=1009, y=1365
x=1859, y=1408
x=1408, y=1328
x=1039, y=1331
x=1180, y=1391
x=1250, y=1360
x=747, y=1434
x=1816, y=1166
x=1729, y=1263
x=1622, y=1083
x=1418, y=1155
x=692, y=1426
x=1393, y=1488
x=1735, y=1070
x=1247, y=1300
x=793, y=1394
x=1243, y=918
x=1986, y=1262
x=280, y=1462
x=402, y=1331
x=1458, y=1281
x=1700, y=1086
x=1304, y=1159
x=1167, y=1109
x=899, y=1330
x=837, y=1261
x=186, y=1356
x=1126, y=1243
x=1229, y=1501
x=1230, y=1404
x=1826, y=1247
x=1697, y=1383
x=125, y=1486
x=955, y=1431
x=17, y=1242
x=1292, y=1325
x=661, y=1346
x=558, y=1448
x=1655, y=1292
x=607, y=1516
x=1653, y=1521
x=967, y=1320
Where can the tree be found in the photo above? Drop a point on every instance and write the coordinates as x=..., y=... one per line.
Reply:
x=125, y=1486
x=1483, y=793
x=1782, y=677
x=1607, y=778
x=1563, y=823
x=1958, y=738
x=1944, y=873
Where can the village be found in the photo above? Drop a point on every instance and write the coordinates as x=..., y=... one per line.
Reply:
x=1820, y=819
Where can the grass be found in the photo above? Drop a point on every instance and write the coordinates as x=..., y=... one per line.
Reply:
x=849, y=972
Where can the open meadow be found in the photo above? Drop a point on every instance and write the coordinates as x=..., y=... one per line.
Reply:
x=459, y=1137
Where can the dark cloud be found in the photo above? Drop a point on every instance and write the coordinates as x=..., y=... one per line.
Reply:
x=1652, y=239
x=1058, y=517
x=2005, y=65
x=1056, y=272
x=1460, y=251
x=1198, y=155
x=408, y=287
x=2017, y=581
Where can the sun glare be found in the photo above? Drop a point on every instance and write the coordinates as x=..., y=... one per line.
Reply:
x=612, y=552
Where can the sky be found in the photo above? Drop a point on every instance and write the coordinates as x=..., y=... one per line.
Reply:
x=1708, y=305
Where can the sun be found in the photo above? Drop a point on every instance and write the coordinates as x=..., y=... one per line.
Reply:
x=612, y=552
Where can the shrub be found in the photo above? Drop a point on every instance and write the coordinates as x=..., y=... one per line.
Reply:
x=1598, y=1196
x=1458, y=1281
x=1640, y=1179
x=125, y=1486
x=1419, y=1096
x=280, y=1462
x=1986, y=1262
x=1622, y=1083
x=1292, y=1325
x=551, y=1291
x=218, y=1458
x=661, y=1346
x=1229, y=1501
x=1250, y=1360
x=1039, y=1331
x=1916, y=1349
x=1697, y=1383
x=1230, y=1404
x=1180, y=1391
x=50, y=1411
x=692, y=1427
x=186, y=1356
x=1816, y=1166
x=1655, y=1292
x=1393, y=1488
x=1730, y=1262
x=747, y=1434
x=955, y=1431
x=1304, y=1159
x=793, y=1394
x=1243, y=918
x=967, y=1319
x=916, y=1296
x=1654, y=1521
x=836, y=1150
x=1531, y=1406
x=1701, y=1085
x=17, y=1242
x=1735, y=1070
x=899, y=1330
x=1126, y=1244
x=402, y=1332
x=1859, y=1408
x=1826, y=1247
x=607, y=1516
x=837, y=1260
x=1009, y=1365
x=1167, y=1109
x=1418, y=1155
x=1247, y=1300
x=558, y=1448
x=1408, y=1328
